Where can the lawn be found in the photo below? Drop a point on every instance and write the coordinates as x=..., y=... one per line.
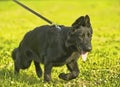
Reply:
x=102, y=69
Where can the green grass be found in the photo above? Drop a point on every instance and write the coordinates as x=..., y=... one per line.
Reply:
x=102, y=69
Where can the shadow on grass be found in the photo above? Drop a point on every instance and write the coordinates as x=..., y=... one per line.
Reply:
x=8, y=75
x=10, y=79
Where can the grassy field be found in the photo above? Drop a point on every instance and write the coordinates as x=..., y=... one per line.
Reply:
x=102, y=69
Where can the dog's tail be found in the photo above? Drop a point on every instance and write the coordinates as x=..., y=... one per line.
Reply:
x=14, y=53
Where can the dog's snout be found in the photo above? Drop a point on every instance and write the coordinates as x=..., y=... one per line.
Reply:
x=89, y=48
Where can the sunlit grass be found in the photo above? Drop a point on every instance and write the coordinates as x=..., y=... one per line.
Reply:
x=102, y=69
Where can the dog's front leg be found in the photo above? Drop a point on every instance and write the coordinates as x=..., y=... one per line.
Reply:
x=74, y=71
x=47, y=72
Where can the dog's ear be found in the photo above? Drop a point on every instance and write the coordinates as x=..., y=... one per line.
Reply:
x=79, y=22
x=82, y=21
x=87, y=21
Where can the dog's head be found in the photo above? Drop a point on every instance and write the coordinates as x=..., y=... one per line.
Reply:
x=20, y=60
x=81, y=35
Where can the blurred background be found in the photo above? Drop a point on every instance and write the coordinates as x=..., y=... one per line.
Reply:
x=102, y=68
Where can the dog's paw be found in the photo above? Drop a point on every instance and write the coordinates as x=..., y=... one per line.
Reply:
x=16, y=71
x=39, y=74
x=47, y=78
x=63, y=76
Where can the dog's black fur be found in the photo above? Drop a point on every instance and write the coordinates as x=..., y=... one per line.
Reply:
x=53, y=47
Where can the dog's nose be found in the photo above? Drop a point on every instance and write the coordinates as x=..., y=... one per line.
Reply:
x=89, y=48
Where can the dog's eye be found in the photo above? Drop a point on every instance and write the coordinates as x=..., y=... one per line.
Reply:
x=82, y=35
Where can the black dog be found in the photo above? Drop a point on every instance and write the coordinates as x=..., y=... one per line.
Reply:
x=53, y=47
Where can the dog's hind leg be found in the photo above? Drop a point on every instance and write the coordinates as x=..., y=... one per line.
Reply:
x=38, y=69
x=74, y=71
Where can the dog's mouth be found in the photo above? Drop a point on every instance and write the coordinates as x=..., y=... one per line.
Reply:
x=84, y=55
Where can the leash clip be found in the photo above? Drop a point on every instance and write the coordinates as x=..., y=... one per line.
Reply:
x=57, y=26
